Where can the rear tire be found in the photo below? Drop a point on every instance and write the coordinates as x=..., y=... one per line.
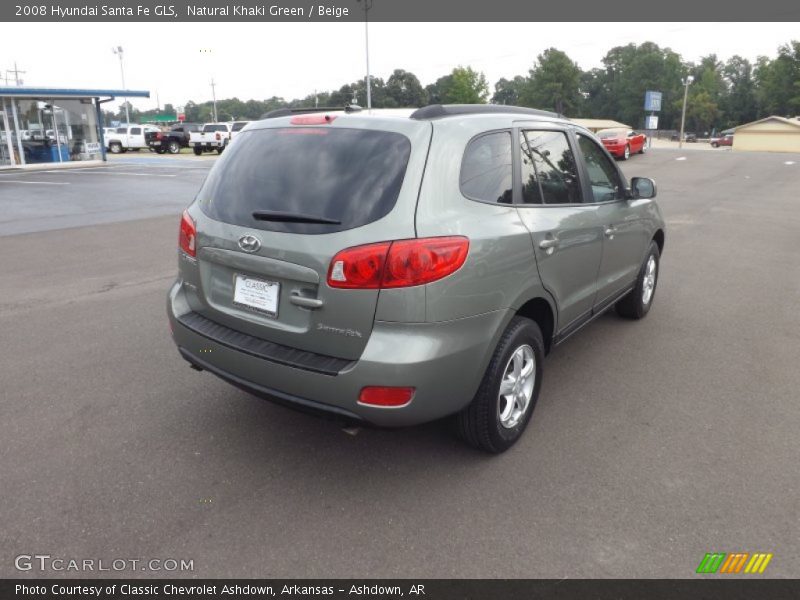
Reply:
x=174, y=147
x=495, y=420
x=636, y=304
x=714, y=145
x=220, y=149
x=197, y=150
x=161, y=150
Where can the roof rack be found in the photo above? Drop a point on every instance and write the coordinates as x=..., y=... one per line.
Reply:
x=435, y=111
x=285, y=112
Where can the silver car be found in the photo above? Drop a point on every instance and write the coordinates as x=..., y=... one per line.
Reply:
x=398, y=267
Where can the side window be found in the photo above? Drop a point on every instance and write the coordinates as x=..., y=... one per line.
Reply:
x=136, y=130
x=549, y=172
x=606, y=184
x=486, y=168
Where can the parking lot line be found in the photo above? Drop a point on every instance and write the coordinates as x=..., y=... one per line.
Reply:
x=6, y=180
x=102, y=171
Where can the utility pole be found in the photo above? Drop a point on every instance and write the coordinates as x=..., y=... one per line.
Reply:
x=214, y=97
x=118, y=51
x=367, y=7
x=16, y=72
x=686, y=83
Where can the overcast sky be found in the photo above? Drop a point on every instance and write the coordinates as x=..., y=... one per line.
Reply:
x=259, y=60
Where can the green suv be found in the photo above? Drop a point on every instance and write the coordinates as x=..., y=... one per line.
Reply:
x=398, y=267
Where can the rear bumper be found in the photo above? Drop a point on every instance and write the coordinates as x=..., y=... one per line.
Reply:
x=444, y=361
x=616, y=150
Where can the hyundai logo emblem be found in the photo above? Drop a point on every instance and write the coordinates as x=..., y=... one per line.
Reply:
x=249, y=243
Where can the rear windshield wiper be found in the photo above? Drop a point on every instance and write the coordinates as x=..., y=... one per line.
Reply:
x=287, y=217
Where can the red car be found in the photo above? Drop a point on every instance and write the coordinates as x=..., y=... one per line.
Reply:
x=725, y=140
x=621, y=143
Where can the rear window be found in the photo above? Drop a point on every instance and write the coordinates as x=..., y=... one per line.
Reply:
x=605, y=135
x=215, y=128
x=239, y=125
x=348, y=175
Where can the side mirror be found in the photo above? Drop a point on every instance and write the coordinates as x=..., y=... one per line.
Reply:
x=642, y=188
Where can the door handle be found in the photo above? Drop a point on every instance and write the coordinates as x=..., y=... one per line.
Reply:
x=610, y=231
x=298, y=300
x=548, y=245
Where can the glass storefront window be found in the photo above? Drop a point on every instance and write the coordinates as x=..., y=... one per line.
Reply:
x=44, y=130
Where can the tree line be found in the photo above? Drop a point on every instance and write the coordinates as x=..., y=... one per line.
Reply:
x=722, y=95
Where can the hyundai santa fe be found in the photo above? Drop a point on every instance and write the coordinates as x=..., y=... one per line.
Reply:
x=398, y=267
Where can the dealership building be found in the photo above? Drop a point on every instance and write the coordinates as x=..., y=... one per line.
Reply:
x=53, y=126
x=773, y=134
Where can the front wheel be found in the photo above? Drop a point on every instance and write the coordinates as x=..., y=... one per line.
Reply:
x=627, y=153
x=501, y=409
x=197, y=150
x=115, y=147
x=636, y=304
x=714, y=145
x=644, y=148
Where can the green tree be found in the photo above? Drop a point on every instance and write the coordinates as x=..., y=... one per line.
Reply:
x=403, y=89
x=509, y=91
x=779, y=81
x=740, y=104
x=463, y=86
x=553, y=83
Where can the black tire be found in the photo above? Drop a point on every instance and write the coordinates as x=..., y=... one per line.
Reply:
x=626, y=154
x=714, y=145
x=115, y=148
x=161, y=150
x=633, y=306
x=197, y=150
x=479, y=423
x=644, y=148
x=220, y=149
x=173, y=147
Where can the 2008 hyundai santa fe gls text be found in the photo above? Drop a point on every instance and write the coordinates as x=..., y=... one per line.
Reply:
x=397, y=267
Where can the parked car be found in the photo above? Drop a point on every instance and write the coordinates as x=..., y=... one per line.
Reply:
x=725, y=140
x=173, y=140
x=687, y=137
x=236, y=127
x=621, y=143
x=395, y=268
x=130, y=137
x=213, y=136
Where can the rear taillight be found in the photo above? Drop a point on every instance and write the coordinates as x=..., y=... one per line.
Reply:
x=159, y=135
x=386, y=396
x=397, y=264
x=187, y=238
x=217, y=136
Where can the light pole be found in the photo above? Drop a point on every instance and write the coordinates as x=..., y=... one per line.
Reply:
x=367, y=6
x=214, y=97
x=686, y=83
x=118, y=52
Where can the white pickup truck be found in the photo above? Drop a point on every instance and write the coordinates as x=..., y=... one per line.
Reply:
x=130, y=137
x=213, y=136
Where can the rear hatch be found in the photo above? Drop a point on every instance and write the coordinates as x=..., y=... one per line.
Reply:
x=277, y=207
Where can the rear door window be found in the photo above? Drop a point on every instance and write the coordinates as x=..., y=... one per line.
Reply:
x=352, y=176
x=549, y=171
x=486, y=168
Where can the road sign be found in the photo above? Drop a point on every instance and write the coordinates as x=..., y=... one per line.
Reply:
x=652, y=101
x=652, y=122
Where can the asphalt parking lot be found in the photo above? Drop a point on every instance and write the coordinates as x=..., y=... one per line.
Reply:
x=653, y=442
